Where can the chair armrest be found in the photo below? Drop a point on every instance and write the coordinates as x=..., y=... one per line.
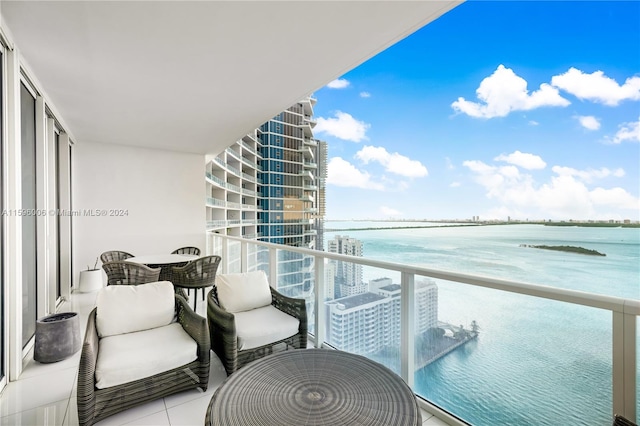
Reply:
x=194, y=325
x=87, y=372
x=295, y=307
x=222, y=320
x=222, y=328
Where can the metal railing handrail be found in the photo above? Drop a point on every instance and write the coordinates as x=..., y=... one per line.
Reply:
x=625, y=312
x=601, y=301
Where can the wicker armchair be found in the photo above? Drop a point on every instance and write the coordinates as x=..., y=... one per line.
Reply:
x=225, y=340
x=187, y=250
x=121, y=272
x=619, y=420
x=95, y=404
x=198, y=273
x=113, y=255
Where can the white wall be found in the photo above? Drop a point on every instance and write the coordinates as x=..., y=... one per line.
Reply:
x=162, y=193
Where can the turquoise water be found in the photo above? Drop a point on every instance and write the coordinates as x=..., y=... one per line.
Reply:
x=536, y=362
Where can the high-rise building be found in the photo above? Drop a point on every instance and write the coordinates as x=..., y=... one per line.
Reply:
x=348, y=276
x=269, y=185
x=354, y=322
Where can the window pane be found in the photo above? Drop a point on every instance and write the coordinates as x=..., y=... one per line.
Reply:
x=28, y=135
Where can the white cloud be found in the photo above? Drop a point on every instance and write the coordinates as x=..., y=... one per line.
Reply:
x=589, y=122
x=565, y=195
x=343, y=126
x=628, y=132
x=597, y=87
x=450, y=165
x=389, y=212
x=523, y=159
x=503, y=92
x=392, y=162
x=365, y=94
x=478, y=166
x=454, y=184
x=588, y=175
x=614, y=197
x=340, y=83
x=342, y=173
x=533, y=123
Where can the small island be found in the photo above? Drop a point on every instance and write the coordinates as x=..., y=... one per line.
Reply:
x=570, y=249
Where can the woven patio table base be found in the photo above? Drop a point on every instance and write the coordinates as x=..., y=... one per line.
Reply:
x=313, y=387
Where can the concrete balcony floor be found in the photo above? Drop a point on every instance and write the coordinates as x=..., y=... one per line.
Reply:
x=45, y=394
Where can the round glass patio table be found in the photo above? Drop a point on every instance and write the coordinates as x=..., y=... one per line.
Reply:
x=313, y=387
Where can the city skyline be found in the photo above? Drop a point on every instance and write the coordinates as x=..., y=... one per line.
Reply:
x=528, y=110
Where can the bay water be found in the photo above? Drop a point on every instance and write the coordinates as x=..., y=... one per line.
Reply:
x=536, y=361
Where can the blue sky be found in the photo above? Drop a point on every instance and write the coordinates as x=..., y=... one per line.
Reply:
x=528, y=110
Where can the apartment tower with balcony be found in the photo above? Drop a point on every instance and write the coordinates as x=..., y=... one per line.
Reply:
x=369, y=322
x=269, y=185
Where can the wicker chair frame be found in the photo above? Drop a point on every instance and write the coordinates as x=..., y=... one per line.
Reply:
x=619, y=420
x=187, y=250
x=96, y=404
x=113, y=255
x=198, y=273
x=121, y=272
x=224, y=339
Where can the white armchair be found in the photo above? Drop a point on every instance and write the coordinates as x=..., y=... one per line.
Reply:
x=142, y=342
x=248, y=319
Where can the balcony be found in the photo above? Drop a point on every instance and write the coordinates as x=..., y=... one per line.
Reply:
x=310, y=141
x=215, y=202
x=406, y=347
x=159, y=148
x=306, y=173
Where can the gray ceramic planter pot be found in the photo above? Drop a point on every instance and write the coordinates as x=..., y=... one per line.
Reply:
x=57, y=337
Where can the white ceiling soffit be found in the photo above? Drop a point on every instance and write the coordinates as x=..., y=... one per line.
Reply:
x=196, y=76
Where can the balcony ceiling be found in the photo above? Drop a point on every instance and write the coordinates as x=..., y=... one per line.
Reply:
x=196, y=76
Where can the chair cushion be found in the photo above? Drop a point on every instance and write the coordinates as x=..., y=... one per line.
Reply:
x=244, y=291
x=262, y=326
x=130, y=308
x=127, y=357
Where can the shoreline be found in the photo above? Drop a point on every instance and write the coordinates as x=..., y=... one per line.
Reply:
x=472, y=224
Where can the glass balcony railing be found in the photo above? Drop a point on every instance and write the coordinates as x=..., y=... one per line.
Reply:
x=464, y=343
x=216, y=202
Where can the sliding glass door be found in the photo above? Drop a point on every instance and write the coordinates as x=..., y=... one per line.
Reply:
x=29, y=228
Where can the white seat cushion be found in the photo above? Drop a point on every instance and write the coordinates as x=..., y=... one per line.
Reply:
x=244, y=291
x=262, y=326
x=130, y=308
x=127, y=357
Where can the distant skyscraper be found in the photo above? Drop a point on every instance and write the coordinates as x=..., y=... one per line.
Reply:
x=348, y=276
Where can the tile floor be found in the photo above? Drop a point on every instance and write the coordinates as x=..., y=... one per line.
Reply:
x=45, y=394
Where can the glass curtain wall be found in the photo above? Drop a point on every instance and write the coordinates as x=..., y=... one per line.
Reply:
x=28, y=154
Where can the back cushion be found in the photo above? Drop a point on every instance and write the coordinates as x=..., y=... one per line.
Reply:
x=243, y=292
x=130, y=308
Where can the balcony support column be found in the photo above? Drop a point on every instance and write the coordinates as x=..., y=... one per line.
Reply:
x=624, y=364
x=244, y=256
x=407, y=328
x=225, y=255
x=273, y=267
x=320, y=311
